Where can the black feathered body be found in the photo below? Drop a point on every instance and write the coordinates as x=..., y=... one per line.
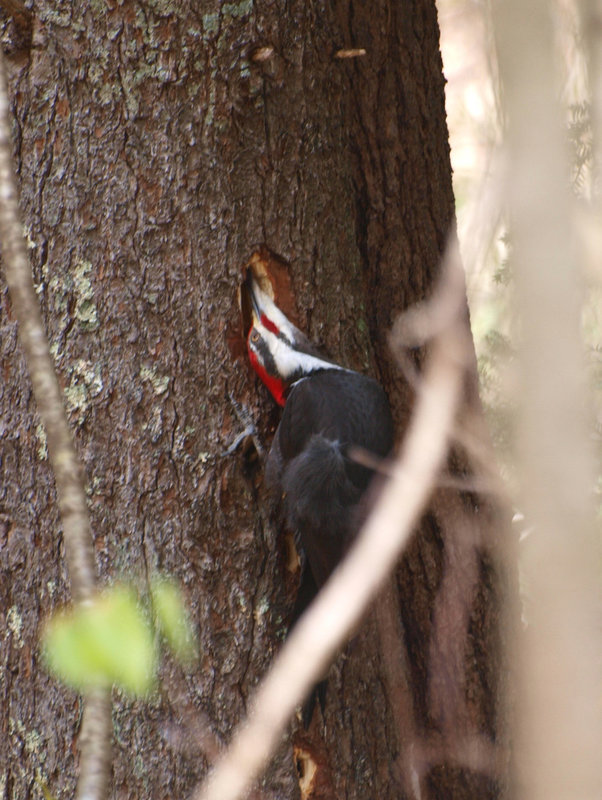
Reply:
x=320, y=488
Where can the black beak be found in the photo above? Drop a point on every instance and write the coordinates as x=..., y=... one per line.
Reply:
x=249, y=306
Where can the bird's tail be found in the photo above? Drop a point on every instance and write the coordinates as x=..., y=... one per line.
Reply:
x=318, y=501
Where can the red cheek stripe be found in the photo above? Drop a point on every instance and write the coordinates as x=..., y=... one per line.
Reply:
x=275, y=386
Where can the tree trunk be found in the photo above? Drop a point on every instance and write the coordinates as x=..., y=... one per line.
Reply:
x=157, y=145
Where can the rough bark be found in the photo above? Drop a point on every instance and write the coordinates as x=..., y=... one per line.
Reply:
x=155, y=151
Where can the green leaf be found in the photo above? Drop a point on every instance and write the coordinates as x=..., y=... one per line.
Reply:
x=172, y=619
x=106, y=642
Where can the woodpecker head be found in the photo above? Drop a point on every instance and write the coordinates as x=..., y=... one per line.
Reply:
x=278, y=351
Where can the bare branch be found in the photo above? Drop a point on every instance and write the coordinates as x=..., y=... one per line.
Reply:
x=429, y=319
x=95, y=745
x=591, y=15
x=451, y=616
x=385, y=466
x=96, y=725
x=558, y=713
x=339, y=607
x=396, y=671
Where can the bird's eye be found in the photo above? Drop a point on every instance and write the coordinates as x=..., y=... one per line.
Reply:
x=255, y=337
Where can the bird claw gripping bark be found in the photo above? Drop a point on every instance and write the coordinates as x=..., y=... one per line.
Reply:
x=250, y=431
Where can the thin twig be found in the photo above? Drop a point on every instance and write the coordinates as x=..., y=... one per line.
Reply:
x=340, y=605
x=385, y=466
x=96, y=725
x=427, y=320
x=474, y=752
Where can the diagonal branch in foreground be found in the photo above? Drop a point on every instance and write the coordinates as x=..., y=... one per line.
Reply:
x=340, y=605
x=96, y=724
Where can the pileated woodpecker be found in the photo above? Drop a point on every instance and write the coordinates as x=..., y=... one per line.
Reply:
x=327, y=410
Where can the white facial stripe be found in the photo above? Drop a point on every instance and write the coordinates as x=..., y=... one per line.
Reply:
x=274, y=314
x=289, y=362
